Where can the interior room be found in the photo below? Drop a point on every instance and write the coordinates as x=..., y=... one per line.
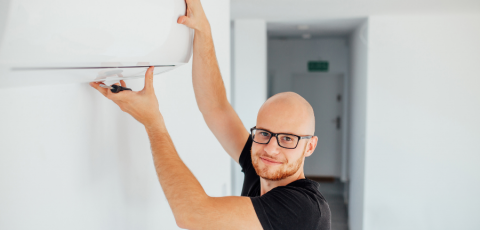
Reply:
x=394, y=87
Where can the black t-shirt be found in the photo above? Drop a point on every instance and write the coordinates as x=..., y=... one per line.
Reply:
x=298, y=205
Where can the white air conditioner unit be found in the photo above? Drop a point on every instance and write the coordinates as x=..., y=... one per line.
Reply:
x=68, y=41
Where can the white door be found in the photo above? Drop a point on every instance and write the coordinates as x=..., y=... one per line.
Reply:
x=323, y=91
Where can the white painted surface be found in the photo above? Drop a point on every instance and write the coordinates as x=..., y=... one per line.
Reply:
x=250, y=76
x=321, y=90
x=287, y=57
x=423, y=108
x=315, y=11
x=341, y=27
x=357, y=128
x=71, y=159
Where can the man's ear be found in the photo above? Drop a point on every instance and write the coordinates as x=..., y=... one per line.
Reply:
x=311, y=145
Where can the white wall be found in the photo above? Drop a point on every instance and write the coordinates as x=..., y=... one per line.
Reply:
x=287, y=57
x=71, y=159
x=250, y=77
x=423, y=129
x=358, y=93
x=250, y=72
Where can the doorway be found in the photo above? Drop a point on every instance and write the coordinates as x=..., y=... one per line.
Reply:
x=324, y=92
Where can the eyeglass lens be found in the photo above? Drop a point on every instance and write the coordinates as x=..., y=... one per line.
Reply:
x=284, y=140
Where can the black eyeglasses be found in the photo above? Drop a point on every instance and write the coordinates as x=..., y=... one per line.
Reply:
x=284, y=140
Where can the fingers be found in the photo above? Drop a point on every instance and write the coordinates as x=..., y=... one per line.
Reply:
x=110, y=95
x=195, y=17
x=149, y=80
x=96, y=85
x=188, y=19
x=122, y=83
x=184, y=20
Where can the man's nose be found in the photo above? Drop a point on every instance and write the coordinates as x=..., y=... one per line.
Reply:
x=272, y=147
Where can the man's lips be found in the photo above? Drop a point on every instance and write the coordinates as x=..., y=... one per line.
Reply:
x=269, y=161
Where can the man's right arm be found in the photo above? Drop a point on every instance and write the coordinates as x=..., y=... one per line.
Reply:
x=208, y=85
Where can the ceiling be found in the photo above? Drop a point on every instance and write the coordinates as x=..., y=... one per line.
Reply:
x=336, y=17
x=314, y=28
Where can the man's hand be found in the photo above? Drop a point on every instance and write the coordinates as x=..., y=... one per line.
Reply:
x=196, y=18
x=142, y=105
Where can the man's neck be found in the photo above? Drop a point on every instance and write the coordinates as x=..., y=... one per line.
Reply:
x=267, y=185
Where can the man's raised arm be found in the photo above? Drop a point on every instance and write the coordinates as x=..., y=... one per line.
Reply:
x=208, y=85
x=191, y=206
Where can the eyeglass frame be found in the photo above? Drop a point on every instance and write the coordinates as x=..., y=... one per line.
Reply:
x=276, y=137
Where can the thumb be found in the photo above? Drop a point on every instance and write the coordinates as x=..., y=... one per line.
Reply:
x=184, y=20
x=149, y=79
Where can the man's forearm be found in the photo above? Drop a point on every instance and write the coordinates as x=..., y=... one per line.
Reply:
x=207, y=80
x=211, y=97
x=181, y=188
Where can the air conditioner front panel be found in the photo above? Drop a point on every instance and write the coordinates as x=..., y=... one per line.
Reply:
x=62, y=35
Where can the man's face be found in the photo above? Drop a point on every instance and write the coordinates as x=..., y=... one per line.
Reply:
x=272, y=162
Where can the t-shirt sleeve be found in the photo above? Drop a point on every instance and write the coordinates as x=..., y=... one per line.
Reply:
x=251, y=181
x=287, y=208
x=245, y=159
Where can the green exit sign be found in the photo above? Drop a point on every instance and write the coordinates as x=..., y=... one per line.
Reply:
x=317, y=66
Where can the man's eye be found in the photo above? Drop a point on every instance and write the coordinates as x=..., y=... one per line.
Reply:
x=287, y=139
x=265, y=134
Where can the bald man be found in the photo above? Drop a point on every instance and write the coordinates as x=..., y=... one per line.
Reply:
x=276, y=194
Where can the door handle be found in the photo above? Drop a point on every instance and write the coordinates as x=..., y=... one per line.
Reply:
x=338, y=122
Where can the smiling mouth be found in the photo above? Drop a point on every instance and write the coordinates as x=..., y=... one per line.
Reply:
x=268, y=161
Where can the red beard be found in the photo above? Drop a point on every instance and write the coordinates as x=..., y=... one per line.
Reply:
x=285, y=170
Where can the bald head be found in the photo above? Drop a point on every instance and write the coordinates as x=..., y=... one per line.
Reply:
x=287, y=112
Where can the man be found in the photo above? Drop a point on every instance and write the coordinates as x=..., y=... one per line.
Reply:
x=275, y=193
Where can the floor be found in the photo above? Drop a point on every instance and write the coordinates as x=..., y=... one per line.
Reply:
x=333, y=192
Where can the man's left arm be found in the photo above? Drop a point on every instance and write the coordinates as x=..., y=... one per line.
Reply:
x=191, y=206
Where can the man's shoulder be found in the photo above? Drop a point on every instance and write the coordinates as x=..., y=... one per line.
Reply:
x=304, y=188
x=298, y=205
x=302, y=193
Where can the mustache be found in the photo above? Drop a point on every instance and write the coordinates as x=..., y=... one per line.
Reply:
x=266, y=157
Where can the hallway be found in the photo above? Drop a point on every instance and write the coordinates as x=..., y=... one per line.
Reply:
x=333, y=192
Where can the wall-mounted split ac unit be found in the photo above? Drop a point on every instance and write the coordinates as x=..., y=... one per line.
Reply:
x=68, y=41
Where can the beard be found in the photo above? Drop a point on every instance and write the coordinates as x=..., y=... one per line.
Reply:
x=286, y=169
